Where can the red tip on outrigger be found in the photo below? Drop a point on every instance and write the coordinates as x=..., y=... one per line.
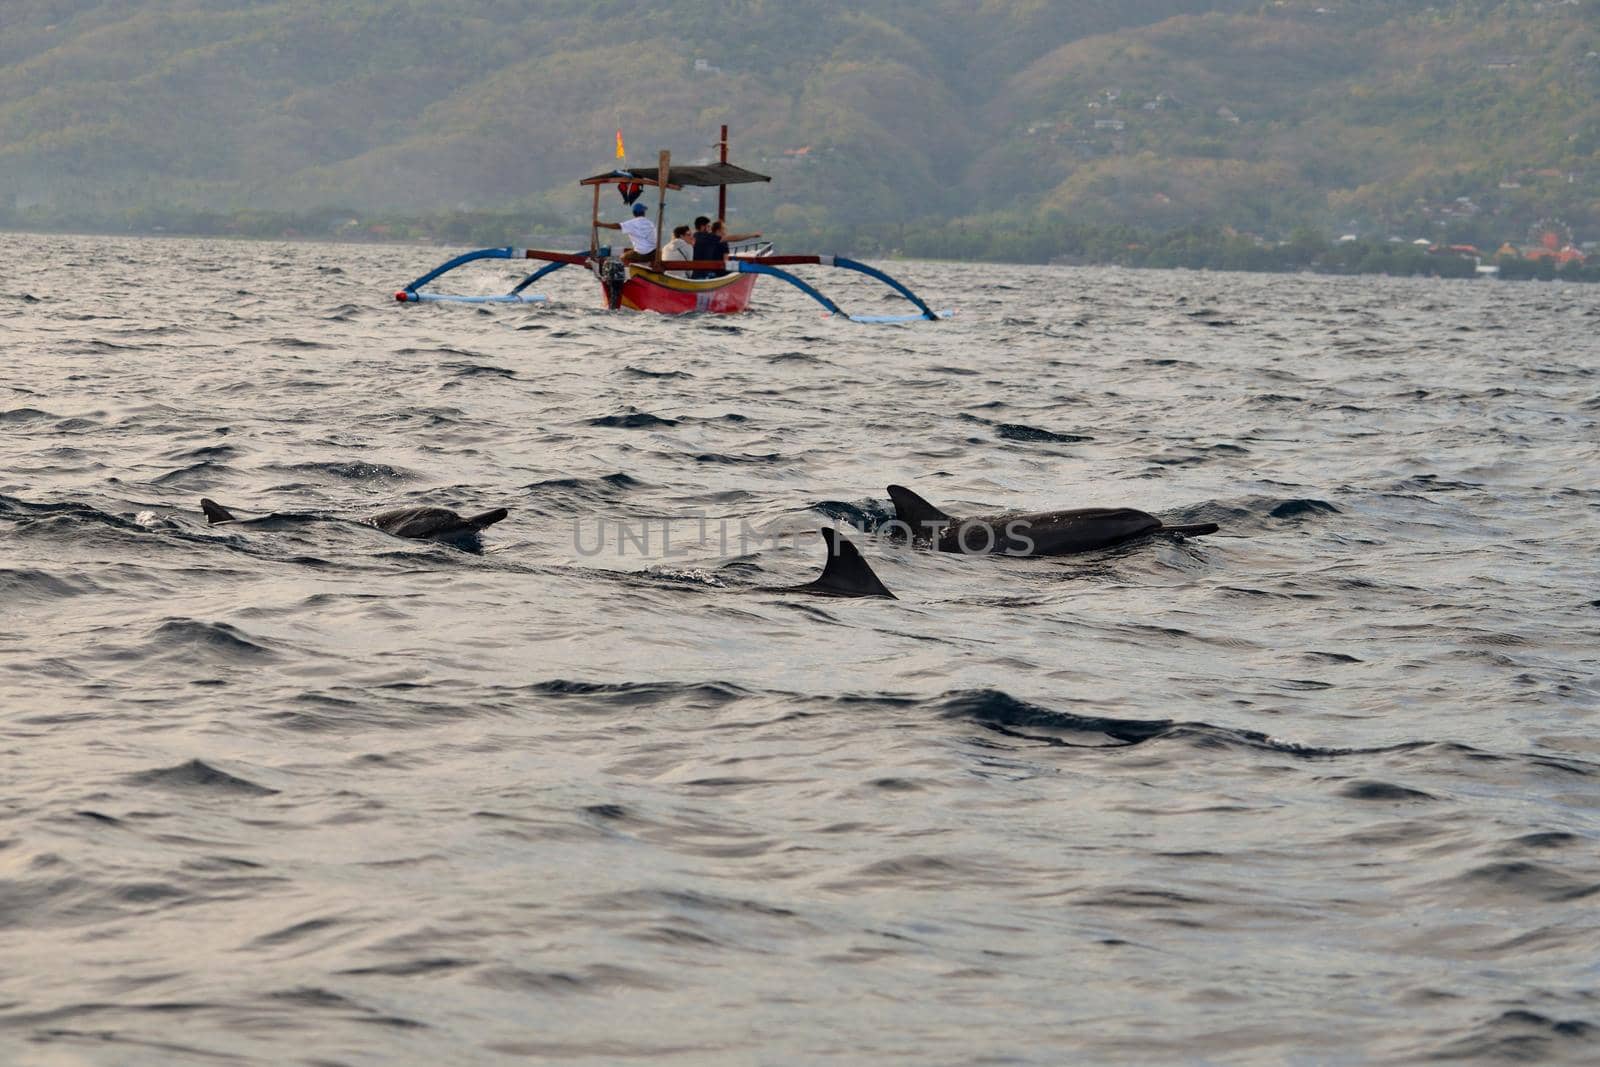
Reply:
x=401, y=296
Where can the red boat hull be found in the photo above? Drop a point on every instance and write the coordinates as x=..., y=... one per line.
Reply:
x=669, y=294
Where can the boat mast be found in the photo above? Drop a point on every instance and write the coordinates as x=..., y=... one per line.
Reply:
x=722, y=190
x=594, y=226
x=663, y=169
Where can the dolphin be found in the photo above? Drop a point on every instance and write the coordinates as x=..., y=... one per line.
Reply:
x=1045, y=533
x=421, y=523
x=845, y=574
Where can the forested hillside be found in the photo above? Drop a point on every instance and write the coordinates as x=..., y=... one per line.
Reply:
x=1010, y=115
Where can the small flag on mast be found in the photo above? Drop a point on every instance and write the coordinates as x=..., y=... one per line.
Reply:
x=620, y=152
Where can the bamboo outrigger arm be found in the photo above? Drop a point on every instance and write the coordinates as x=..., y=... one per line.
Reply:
x=768, y=265
x=556, y=260
x=765, y=264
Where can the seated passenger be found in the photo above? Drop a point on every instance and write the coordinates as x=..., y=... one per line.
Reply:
x=713, y=244
x=679, y=247
x=640, y=230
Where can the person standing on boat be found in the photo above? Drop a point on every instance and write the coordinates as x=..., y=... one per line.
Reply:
x=679, y=247
x=702, y=228
x=713, y=244
x=640, y=230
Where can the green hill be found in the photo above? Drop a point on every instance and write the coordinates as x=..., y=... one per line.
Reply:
x=1474, y=118
x=1365, y=115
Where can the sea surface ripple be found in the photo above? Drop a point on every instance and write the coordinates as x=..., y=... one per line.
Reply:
x=1322, y=788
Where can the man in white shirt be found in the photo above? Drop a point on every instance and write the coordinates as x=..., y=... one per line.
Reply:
x=640, y=230
x=679, y=247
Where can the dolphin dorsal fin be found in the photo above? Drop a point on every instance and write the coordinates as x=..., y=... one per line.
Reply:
x=215, y=512
x=846, y=573
x=923, y=518
x=488, y=518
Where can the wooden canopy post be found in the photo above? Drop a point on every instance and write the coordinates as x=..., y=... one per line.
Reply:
x=594, y=226
x=663, y=175
x=722, y=190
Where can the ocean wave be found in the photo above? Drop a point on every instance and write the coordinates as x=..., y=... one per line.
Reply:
x=198, y=776
x=349, y=471
x=632, y=420
x=1005, y=714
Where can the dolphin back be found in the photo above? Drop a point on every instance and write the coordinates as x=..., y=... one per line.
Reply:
x=1062, y=533
x=434, y=523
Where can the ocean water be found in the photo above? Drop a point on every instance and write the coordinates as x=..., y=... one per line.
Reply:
x=1321, y=788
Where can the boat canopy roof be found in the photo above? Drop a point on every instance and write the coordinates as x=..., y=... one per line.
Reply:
x=709, y=174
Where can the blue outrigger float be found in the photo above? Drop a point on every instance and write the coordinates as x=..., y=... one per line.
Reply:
x=668, y=287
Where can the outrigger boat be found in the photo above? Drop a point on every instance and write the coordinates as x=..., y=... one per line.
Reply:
x=668, y=286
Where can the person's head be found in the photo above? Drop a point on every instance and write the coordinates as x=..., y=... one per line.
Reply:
x=680, y=231
x=718, y=228
x=701, y=222
x=639, y=209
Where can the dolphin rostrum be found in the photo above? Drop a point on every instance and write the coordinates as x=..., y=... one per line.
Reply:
x=422, y=523
x=1046, y=533
x=845, y=574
